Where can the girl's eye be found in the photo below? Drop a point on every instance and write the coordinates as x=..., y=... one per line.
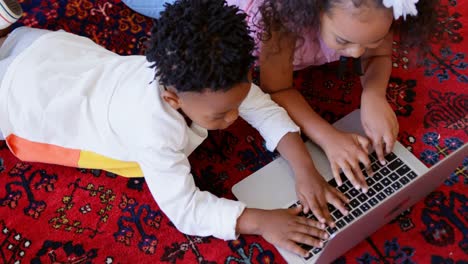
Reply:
x=340, y=41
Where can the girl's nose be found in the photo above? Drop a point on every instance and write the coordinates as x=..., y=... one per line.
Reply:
x=356, y=51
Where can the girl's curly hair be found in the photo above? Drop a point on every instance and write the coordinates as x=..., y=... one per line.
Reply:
x=201, y=44
x=294, y=16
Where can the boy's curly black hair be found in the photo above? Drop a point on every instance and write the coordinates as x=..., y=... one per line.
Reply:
x=201, y=44
x=294, y=16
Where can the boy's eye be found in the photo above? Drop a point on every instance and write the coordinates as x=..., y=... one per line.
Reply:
x=217, y=118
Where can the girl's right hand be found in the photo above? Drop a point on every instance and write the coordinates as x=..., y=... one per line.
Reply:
x=286, y=229
x=345, y=151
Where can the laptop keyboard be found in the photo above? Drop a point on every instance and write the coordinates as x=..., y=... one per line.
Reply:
x=386, y=180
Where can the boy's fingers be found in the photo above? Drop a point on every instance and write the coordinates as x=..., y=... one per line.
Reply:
x=341, y=195
x=304, y=205
x=296, y=210
x=311, y=230
x=364, y=159
x=293, y=247
x=310, y=222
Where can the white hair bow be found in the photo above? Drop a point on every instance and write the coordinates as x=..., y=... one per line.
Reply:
x=402, y=7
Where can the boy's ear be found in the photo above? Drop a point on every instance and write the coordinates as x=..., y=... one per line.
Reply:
x=171, y=98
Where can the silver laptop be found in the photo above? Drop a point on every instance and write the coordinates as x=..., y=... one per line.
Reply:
x=393, y=188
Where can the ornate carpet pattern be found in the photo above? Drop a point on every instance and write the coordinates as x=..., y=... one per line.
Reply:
x=54, y=214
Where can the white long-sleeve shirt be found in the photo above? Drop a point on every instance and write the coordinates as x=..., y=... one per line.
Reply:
x=66, y=100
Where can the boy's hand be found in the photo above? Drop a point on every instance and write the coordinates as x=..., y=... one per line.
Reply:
x=380, y=123
x=345, y=151
x=314, y=194
x=284, y=228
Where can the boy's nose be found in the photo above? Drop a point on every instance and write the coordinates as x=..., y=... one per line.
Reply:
x=231, y=116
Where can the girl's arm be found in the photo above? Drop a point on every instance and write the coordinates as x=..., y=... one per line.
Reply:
x=344, y=150
x=378, y=118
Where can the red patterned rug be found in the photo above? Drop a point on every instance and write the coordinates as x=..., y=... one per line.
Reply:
x=53, y=214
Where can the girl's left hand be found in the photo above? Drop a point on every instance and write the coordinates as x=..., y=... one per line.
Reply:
x=379, y=122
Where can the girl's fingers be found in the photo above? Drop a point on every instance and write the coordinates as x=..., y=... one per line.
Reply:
x=336, y=174
x=378, y=147
x=389, y=143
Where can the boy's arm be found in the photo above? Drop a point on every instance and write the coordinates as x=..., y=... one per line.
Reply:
x=193, y=212
x=201, y=213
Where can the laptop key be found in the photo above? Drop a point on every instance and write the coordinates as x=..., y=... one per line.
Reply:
x=337, y=214
x=389, y=157
x=309, y=256
x=381, y=196
x=331, y=208
x=378, y=187
x=310, y=215
x=364, y=172
x=353, y=192
x=354, y=203
x=404, y=180
x=394, y=176
x=395, y=164
x=375, y=166
x=364, y=207
x=316, y=250
x=356, y=212
x=349, y=218
x=370, y=192
x=373, y=201
x=403, y=170
x=340, y=223
x=384, y=171
x=370, y=181
x=385, y=182
x=343, y=188
x=306, y=247
x=332, y=230
x=396, y=185
x=412, y=175
x=388, y=191
x=362, y=197
x=377, y=176
x=333, y=183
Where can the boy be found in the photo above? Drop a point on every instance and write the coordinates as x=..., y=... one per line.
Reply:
x=84, y=106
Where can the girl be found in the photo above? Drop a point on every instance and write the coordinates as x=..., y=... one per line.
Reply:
x=295, y=34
